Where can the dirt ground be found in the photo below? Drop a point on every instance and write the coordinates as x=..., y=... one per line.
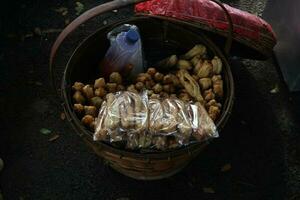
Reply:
x=261, y=141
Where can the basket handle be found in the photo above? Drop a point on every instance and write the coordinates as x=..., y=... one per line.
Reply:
x=228, y=43
x=98, y=10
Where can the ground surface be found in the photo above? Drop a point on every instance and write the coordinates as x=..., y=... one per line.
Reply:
x=261, y=141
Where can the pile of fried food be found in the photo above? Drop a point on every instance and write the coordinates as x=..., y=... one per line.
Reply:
x=190, y=78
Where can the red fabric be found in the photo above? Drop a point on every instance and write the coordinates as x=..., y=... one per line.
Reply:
x=246, y=25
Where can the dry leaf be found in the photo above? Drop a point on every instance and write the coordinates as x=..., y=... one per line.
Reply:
x=79, y=8
x=61, y=9
x=37, y=31
x=38, y=83
x=52, y=30
x=226, y=168
x=64, y=13
x=62, y=116
x=45, y=131
x=275, y=90
x=55, y=137
x=208, y=190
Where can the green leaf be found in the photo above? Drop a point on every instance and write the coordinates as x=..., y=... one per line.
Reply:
x=79, y=8
x=45, y=131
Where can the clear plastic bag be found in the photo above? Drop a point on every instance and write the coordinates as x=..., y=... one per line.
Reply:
x=152, y=123
x=121, y=115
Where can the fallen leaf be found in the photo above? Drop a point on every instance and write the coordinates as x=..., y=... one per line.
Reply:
x=55, y=137
x=45, y=131
x=52, y=30
x=275, y=90
x=38, y=83
x=79, y=7
x=62, y=116
x=208, y=190
x=61, y=9
x=37, y=31
x=226, y=167
x=28, y=35
x=64, y=13
x=67, y=21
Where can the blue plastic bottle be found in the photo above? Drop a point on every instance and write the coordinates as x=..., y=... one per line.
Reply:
x=125, y=52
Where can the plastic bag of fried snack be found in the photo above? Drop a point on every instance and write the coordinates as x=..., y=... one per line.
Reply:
x=157, y=123
x=203, y=126
x=169, y=117
x=122, y=114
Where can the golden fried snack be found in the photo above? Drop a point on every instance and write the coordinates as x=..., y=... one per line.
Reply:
x=208, y=95
x=120, y=88
x=160, y=142
x=157, y=88
x=195, y=60
x=149, y=84
x=190, y=85
x=87, y=120
x=169, y=119
x=151, y=71
x=214, y=112
x=204, y=126
x=156, y=113
x=100, y=92
x=131, y=88
x=168, y=63
x=213, y=102
x=217, y=65
x=205, y=70
x=79, y=108
x=96, y=101
x=184, y=64
x=88, y=91
x=158, y=77
x=77, y=86
x=90, y=110
x=198, y=65
x=115, y=77
x=198, y=49
x=143, y=77
x=78, y=97
x=205, y=83
x=183, y=124
x=139, y=86
x=99, y=83
x=101, y=130
x=111, y=87
x=218, y=88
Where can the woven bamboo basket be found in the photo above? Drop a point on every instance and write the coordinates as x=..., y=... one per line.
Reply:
x=161, y=37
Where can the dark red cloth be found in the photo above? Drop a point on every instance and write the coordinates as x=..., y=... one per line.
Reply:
x=246, y=25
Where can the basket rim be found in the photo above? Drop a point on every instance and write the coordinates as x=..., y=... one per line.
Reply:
x=83, y=132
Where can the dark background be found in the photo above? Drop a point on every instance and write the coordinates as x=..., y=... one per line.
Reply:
x=261, y=141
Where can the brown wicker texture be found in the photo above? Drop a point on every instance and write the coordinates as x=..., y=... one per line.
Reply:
x=159, y=36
